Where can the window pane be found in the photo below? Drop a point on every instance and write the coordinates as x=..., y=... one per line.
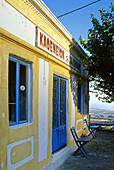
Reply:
x=12, y=91
x=55, y=102
x=23, y=93
x=73, y=87
x=62, y=102
x=79, y=97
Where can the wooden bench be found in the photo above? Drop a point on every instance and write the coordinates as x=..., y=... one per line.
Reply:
x=92, y=129
x=80, y=142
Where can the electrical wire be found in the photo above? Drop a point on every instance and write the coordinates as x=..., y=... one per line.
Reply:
x=77, y=9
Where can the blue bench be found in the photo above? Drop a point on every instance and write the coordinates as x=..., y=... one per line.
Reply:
x=92, y=129
x=80, y=142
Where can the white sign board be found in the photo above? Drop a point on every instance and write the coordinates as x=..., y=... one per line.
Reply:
x=47, y=44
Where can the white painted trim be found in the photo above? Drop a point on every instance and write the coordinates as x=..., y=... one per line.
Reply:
x=64, y=33
x=52, y=17
x=11, y=166
x=85, y=116
x=80, y=120
x=73, y=104
x=43, y=99
x=84, y=129
x=19, y=125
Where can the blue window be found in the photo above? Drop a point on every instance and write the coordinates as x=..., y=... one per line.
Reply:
x=80, y=97
x=19, y=90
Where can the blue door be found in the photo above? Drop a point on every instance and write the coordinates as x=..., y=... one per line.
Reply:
x=59, y=113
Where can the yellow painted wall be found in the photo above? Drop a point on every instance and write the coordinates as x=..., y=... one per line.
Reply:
x=16, y=153
x=14, y=134
x=10, y=44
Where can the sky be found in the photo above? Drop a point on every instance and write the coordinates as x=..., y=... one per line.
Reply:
x=78, y=23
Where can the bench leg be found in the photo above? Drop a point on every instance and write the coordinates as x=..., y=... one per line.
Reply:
x=80, y=147
x=92, y=132
x=83, y=152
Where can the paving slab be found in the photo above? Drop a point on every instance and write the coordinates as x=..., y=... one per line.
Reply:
x=100, y=155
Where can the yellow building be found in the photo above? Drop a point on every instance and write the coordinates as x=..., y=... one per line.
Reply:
x=43, y=85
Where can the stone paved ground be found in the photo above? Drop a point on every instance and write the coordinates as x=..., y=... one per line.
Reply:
x=100, y=154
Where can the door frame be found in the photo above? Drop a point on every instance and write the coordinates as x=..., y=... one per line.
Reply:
x=67, y=104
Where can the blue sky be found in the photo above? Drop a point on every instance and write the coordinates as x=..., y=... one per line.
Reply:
x=78, y=24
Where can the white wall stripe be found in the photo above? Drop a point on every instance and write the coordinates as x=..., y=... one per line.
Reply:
x=43, y=109
x=78, y=130
x=73, y=102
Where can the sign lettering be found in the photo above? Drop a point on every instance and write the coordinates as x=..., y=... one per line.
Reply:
x=47, y=44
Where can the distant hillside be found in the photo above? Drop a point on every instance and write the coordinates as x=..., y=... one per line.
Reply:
x=101, y=113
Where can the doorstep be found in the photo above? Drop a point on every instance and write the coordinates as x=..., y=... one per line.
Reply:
x=59, y=157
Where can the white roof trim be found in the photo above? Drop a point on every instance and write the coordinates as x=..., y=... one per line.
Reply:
x=53, y=18
x=55, y=23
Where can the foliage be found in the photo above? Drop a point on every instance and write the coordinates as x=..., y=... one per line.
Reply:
x=100, y=44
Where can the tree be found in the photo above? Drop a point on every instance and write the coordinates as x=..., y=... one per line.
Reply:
x=100, y=62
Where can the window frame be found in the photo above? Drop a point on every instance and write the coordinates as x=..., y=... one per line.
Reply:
x=20, y=61
x=85, y=98
x=80, y=110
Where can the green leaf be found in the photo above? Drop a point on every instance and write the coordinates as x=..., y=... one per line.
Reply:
x=100, y=45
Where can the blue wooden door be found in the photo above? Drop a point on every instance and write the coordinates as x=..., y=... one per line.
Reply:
x=59, y=113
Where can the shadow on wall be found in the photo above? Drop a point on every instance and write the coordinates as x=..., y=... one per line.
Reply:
x=78, y=60
x=73, y=87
